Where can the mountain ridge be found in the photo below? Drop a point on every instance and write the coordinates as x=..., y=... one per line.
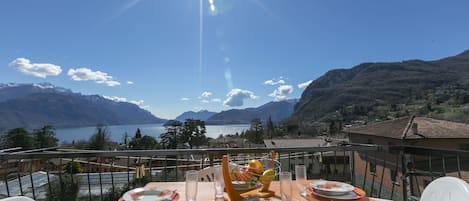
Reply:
x=380, y=84
x=276, y=110
x=34, y=105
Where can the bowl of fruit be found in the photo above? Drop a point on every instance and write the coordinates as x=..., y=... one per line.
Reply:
x=255, y=174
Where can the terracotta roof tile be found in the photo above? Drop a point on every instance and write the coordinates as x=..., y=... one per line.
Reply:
x=414, y=128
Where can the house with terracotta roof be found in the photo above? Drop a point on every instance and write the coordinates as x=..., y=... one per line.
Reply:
x=413, y=131
x=417, y=131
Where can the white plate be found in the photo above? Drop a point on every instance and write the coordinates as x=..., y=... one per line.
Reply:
x=347, y=196
x=333, y=188
x=241, y=186
x=142, y=194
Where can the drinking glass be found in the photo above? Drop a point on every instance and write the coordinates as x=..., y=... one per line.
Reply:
x=219, y=183
x=285, y=186
x=192, y=178
x=301, y=180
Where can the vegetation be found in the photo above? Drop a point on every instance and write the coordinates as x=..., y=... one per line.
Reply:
x=73, y=167
x=45, y=137
x=191, y=132
x=382, y=91
x=101, y=139
x=143, y=143
x=62, y=189
x=20, y=137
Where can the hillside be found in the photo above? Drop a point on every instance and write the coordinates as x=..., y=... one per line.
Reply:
x=378, y=91
x=276, y=110
x=200, y=115
x=34, y=105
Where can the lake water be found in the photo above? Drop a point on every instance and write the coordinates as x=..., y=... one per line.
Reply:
x=117, y=132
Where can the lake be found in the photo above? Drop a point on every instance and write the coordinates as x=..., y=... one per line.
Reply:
x=117, y=131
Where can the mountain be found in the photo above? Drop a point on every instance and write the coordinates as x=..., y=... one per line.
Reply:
x=200, y=115
x=388, y=90
x=276, y=110
x=34, y=105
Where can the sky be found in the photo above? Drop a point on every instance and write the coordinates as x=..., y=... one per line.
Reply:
x=174, y=56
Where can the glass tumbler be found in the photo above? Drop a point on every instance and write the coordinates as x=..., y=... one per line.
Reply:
x=192, y=178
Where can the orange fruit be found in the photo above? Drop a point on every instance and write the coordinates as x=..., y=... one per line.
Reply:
x=256, y=166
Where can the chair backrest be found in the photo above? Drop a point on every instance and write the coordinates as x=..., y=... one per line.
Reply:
x=446, y=189
x=17, y=198
x=206, y=174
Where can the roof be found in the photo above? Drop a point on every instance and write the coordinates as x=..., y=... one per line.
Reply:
x=414, y=128
x=314, y=142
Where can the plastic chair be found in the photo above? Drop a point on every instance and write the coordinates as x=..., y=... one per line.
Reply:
x=17, y=198
x=206, y=174
x=446, y=189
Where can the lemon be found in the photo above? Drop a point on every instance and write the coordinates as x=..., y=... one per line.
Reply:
x=267, y=176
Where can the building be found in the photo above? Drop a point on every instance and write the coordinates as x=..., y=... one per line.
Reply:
x=325, y=165
x=415, y=131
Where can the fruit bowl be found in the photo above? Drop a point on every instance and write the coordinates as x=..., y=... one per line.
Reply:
x=254, y=174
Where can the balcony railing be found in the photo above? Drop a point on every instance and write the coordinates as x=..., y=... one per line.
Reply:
x=392, y=172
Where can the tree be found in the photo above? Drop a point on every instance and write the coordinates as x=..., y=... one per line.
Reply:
x=17, y=137
x=138, y=134
x=193, y=133
x=72, y=167
x=169, y=139
x=101, y=139
x=144, y=143
x=270, y=127
x=256, y=131
x=63, y=189
x=45, y=137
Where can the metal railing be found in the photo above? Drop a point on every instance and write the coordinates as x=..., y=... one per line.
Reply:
x=392, y=172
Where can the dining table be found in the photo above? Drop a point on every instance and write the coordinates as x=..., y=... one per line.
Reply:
x=206, y=192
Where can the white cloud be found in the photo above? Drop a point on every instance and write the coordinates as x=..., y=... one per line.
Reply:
x=216, y=100
x=184, y=99
x=304, y=84
x=130, y=82
x=205, y=94
x=86, y=74
x=281, y=92
x=41, y=70
x=274, y=82
x=139, y=103
x=205, y=101
x=236, y=97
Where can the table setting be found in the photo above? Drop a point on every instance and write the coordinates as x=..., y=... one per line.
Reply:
x=249, y=182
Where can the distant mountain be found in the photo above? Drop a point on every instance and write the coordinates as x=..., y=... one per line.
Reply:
x=34, y=105
x=276, y=110
x=388, y=90
x=200, y=115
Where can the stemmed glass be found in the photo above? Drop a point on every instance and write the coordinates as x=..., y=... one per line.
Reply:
x=301, y=180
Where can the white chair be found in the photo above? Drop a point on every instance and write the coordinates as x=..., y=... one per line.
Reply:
x=446, y=189
x=17, y=198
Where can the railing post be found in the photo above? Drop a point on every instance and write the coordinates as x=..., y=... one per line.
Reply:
x=406, y=168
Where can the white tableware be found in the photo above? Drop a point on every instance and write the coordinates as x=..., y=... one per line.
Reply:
x=192, y=178
x=334, y=188
x=347, y=196
x=285, y=186
x=142, y=194
x=218, y=181
x=301, y=180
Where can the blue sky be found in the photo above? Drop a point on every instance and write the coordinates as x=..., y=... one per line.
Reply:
x=242, y=53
